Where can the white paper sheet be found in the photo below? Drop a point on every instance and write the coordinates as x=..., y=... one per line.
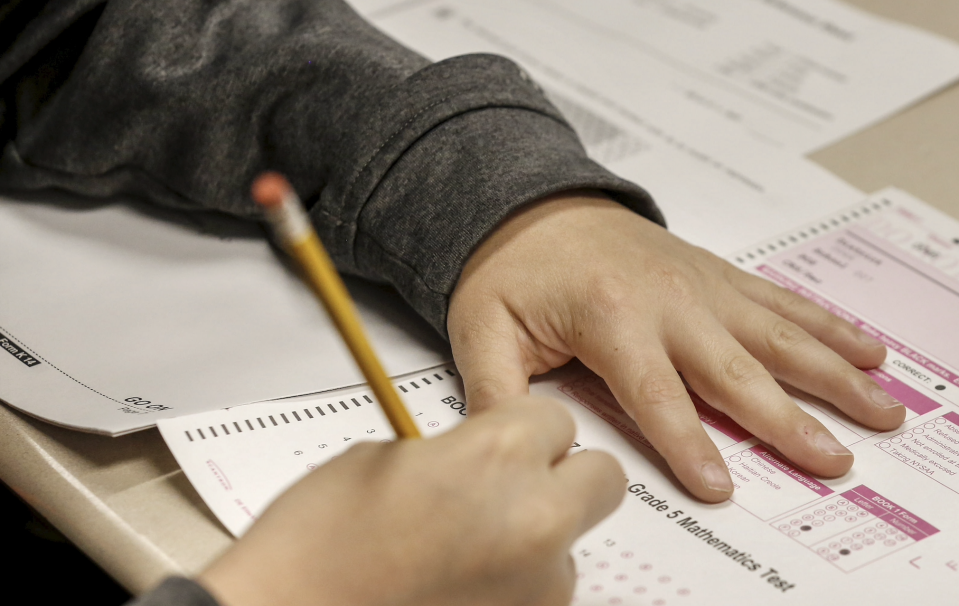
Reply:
x=783, y=73
x=886, y=533
x=642, y=83
x=133, y=314
x=713, y=194
x=126, y=313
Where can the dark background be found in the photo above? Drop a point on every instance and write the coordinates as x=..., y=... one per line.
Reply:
x=42, y=566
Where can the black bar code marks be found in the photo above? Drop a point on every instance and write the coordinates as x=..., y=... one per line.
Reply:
x=404, y=387
x=307, y=414
x=812, y=231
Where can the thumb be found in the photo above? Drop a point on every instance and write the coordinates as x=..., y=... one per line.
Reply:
x=489, y=354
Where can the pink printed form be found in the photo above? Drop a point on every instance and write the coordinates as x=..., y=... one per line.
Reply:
x=871, y=276
x=911, y=398
x=892, y=514
x=800, y=476
x=931, y=449
x=766, y=485
x=592, y=392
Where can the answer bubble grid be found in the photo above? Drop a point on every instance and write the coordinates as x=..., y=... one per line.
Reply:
x=867, y=527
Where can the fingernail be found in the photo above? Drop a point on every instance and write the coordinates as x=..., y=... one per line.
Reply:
x=869, y=340
x=884, y=400
x=716, y=478
x=829, y=445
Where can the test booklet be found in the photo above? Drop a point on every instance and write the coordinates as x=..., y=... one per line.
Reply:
x=114, y=315
x=794, y=75
x=887, y=532
x=708, y=105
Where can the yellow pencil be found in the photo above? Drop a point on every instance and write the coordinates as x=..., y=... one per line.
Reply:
x=295, y=232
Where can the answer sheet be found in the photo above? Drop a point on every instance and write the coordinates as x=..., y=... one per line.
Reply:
x=115, y=315
x=886, y=533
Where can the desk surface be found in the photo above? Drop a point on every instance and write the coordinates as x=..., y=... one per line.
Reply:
x=126, y=503
x=916, y=150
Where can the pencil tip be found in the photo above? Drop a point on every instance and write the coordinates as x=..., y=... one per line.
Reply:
x=270, y=188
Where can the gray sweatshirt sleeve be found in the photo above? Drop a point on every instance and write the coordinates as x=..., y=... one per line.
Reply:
x=405, y=165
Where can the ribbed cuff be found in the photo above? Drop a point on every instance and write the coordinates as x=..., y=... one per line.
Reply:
x=475, y=140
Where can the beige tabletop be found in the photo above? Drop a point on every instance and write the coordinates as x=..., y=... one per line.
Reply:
x=126, y=503
x=918, y=149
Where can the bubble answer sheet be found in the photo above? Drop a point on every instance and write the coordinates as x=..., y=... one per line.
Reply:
x=885, y=533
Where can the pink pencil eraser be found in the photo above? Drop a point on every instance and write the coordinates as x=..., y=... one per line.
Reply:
x=270, y=188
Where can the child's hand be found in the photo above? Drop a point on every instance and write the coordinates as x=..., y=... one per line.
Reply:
x=579, y=275
x=484, y=515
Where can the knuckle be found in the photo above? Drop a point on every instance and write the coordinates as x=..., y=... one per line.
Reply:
x=784, y=302
x=610, y=294
x=660, y=388
x=673, y=286
x=784, y=336
x=483, y=393
x=740, y=370
x=504, y=442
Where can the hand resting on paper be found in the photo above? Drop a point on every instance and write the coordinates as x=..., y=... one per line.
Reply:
x=579, y=275
x=483, y=515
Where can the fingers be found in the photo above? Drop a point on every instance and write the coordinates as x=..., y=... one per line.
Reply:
x=852, y=344
x=720, y=370
x=531, y=428
x=649, y=390
x=794, y=356
x=489, y=355
x=595, y=483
